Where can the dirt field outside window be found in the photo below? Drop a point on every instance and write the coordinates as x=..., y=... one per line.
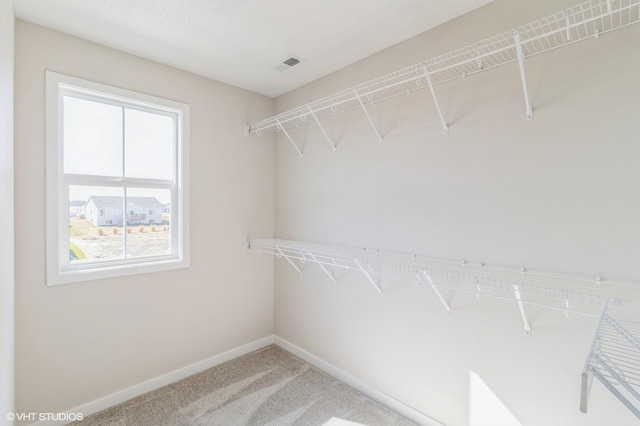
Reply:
x=92, y=242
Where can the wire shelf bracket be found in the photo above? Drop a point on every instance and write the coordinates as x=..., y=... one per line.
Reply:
x=445, y=126
x=567, y=294
x=368, y=276
x=281, y=128
x=447, y=308
x=587, y=20
x=366, y=113
x=614, y=357
x=523, y=76
x=323, y=267
x=322, y=129
x=281, y=254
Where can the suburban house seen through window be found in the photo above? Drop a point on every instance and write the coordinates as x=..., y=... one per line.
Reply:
x=116, y=184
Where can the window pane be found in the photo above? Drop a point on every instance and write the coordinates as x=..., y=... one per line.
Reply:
x=92, y=138
x=148, y=222
x=92, y=231
x=149, y=142
x=95, y=223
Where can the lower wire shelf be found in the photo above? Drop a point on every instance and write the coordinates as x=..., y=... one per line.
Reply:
x=566, y=293
x=614, y=358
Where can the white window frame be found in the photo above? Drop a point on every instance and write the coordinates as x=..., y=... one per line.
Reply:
x=59, y=268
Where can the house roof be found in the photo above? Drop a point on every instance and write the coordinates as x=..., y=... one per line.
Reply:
x=104, y=201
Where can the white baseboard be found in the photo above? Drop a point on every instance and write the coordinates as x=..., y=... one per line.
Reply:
x=378, y=396
x=181, y=373
x=157, y=382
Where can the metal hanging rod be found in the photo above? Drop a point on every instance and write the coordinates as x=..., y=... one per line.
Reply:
x=614, y=357
x=565, y=293
x=584, y=21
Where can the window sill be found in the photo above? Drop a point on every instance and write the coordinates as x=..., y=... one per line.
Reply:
x=113, y=271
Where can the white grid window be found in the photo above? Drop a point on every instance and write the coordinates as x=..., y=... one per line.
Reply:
x=117, y=190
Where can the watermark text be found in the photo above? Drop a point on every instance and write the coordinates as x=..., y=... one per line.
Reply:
x=70, y=417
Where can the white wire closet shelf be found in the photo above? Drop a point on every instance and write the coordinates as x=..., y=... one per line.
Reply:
x=560, y=292
x=584, y=21
x=614, y=358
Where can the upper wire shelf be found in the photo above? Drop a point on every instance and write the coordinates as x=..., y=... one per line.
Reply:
x=569, y=294
x=586, y=20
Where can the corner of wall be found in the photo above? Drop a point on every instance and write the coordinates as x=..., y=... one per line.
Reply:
x=6, y=212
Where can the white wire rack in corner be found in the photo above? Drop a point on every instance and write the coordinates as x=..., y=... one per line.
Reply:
x=587, y=20
x=614, y=358
x=565, y=293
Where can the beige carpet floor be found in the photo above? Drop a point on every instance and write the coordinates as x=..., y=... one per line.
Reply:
x=268, y=387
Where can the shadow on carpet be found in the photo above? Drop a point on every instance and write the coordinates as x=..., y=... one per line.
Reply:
x=269, y=387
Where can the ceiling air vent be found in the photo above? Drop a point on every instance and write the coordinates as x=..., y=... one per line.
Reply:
x=289, y=63
x=292, y=61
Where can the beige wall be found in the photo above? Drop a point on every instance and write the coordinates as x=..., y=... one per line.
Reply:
x=558, y=193
x=80, y=342
x=6, y=211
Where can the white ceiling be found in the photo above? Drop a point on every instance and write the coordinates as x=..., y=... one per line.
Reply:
x=240, y=41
